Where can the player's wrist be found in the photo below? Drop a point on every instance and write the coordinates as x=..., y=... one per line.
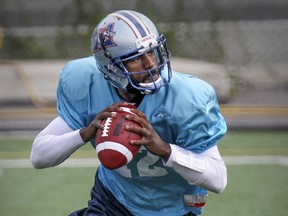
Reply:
x=166, y=152
x=85, y=134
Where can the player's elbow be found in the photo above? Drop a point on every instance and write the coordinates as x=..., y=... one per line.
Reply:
x=36, y=164
x=222, y=182
x=216, y=181
x=36, y=161
x=221, y=187
x=36, y=156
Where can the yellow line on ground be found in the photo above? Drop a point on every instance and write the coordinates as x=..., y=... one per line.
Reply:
x=227, y=110
x=27, y=113
x=241, y=110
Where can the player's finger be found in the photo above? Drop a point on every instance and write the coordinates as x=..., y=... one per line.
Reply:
x=138, y=113
x=114, y=107
x=109, y=111
x=103, y=115
x=136, y=142
x=134, y=128
x=143, y=122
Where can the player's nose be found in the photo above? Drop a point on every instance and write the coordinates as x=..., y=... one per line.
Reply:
x=148, y=61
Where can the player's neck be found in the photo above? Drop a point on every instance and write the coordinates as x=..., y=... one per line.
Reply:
x=130, y=97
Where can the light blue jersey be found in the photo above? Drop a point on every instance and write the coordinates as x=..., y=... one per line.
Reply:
x=185, y=112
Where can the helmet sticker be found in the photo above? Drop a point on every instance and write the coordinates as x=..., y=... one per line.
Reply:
x=105, y=34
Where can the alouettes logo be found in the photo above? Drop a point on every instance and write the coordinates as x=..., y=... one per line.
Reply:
x=104, y=34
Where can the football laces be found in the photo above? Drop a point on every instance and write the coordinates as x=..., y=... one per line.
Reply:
x=107, y=126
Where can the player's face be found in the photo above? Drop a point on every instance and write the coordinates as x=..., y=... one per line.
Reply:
x=147, y=61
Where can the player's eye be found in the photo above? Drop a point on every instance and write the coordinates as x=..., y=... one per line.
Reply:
x=151, y=52
x=138, y=58
x=129, y=58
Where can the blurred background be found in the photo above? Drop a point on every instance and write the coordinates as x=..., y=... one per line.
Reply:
x=239, y=47
x=220, y=31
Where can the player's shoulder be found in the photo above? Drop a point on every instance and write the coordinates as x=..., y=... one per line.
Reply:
x=76, y=76
x=79, y=68
x=79, y=72
x=191, y=84
x=189, y=91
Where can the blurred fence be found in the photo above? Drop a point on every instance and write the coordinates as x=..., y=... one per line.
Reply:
x=222, y=31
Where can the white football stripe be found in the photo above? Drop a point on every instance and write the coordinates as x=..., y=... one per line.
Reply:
x=116, y=147
x=128, y=110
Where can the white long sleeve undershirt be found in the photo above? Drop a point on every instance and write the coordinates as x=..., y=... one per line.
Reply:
x=206, y=169
x=55, y=143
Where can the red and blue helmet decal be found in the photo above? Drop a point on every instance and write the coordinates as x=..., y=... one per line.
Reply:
x=106, y=35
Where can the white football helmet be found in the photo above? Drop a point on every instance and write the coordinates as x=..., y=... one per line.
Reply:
x=124, y=35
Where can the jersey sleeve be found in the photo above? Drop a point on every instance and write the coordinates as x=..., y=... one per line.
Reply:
x=200, y=125
x=204, y=126
x=73, y=91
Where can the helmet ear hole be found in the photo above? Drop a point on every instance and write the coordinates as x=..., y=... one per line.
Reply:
x=106, y=52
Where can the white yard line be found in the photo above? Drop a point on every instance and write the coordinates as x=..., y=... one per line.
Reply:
x=261, y=160
x=91, y=162
x=25, y=163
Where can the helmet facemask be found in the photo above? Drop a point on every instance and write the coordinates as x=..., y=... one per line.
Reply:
x=163, y=58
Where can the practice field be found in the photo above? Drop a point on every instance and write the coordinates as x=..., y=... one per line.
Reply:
x=255, y=187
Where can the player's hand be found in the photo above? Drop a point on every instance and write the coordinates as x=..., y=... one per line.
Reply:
x=90, y=131
x=150, y=138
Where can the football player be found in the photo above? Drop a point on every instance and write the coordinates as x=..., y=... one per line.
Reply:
x=178, y=162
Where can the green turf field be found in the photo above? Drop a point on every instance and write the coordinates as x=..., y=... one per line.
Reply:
x=256, y=190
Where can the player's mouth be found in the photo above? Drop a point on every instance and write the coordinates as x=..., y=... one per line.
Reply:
x=152, y=76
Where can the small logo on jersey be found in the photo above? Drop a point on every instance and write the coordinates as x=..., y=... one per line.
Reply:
x=195, y=200
x=161, y=114
x=105, y=35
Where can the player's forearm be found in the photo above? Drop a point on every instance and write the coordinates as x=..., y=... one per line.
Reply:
x=54, y=144
x=51, y=150
x=203, y=170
